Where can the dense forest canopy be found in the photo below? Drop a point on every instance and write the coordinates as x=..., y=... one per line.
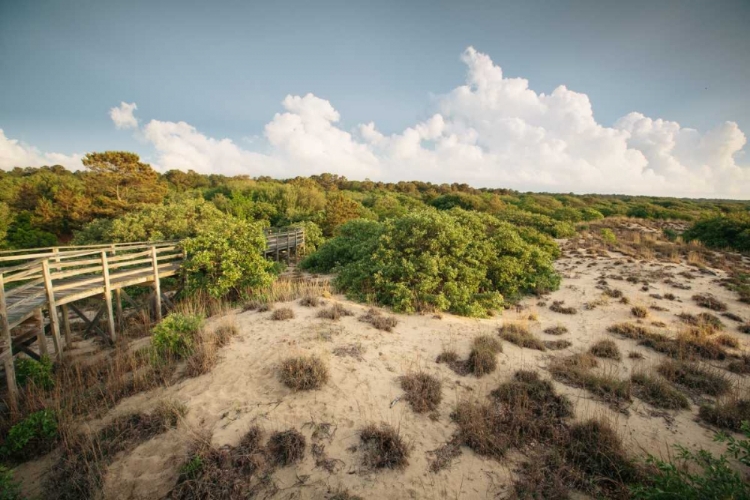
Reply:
x=116, y=197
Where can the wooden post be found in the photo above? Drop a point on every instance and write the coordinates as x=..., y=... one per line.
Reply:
x=10, y=369
x=157, y=285
x=54, y=320
x=40, y=337
x=108, y=298
x=66, y=325
x=118, y=309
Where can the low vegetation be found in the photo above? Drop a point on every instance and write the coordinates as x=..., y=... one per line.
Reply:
x=379, y=320
x=657, y=392
x=335, y=312
x=577, y=371
x=709, y=302
x=559, y=307
x=693, y=377
x=383, y=447
x=727, y=413
x=282, y=314
x=519, y=335
x=303, y=373
x=556, y=330
x=606, y=349
x=175, y=335
x=423, y=391
x=286, y=447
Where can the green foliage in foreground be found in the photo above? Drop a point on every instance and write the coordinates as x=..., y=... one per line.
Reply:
x=458, y=261
x=722, y=232
x=700, y=475
x=227, y=256
x=175, y=335
x=31, y=371
x=9, y=488
x=30, y=437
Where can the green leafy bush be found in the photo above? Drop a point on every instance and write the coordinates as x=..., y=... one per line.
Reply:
x=608, y=235
x=699, y=475
x=175, y=335
x=32, y=437
x=9, y=488
x=722, y=232
x=227, y=256
x=31, y=371
x=458, y=261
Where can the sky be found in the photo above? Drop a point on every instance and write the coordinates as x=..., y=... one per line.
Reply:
x=586, y=96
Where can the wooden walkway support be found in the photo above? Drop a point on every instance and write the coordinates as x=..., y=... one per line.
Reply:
x=54, y=278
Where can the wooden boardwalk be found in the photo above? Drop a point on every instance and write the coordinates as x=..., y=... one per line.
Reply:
x=53, y=279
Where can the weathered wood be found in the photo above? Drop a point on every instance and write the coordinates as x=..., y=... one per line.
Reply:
x=157, y=284
x=94, y=323
x=66, y=325
x=118, y=308
x=108, y=298
x=40, y=336
x=90, y=325
x=7, y=340
x=52, y=308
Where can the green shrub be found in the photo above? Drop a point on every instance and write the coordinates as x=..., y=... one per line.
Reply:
x=731, y=231
x=31, y=371
x=9, y=488
x=608, y=235
x=32, y=437
x=175, y=335
x=227, y=256
x=458, y=261
x=698, y=475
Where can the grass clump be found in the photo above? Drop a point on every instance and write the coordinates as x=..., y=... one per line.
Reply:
x=175, y=335
x=709, y=302
x=379, y=321
x=335, y=312
x=727, y=340
x=576, y=370
x=694, y=377
x=9, y=487
x=703, y=320
x=658, y=392
x=520, y=336
x=423, y=391
x=32, y=437
x=303, y=373
x=286, y=447
x=558, y=307
x=310, y=301
x=557, y=345
x=383, y=447
x=744, y=328
x=448, y=356
x=282, y=314
x=606, y=349
x=639, y=311
x=740, y=366
x=728, y=413
x=556, y=330
x=482, y=358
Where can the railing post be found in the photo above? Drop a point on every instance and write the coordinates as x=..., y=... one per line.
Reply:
x=118, y=297
x=54, y=321
x=63, y=309
x=108, y=297
x=157, y=285
x=7, y=340
x=40, y=337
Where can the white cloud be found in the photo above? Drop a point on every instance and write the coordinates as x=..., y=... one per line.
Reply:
x=123, y=117
x=491, y=131
x=14, y=153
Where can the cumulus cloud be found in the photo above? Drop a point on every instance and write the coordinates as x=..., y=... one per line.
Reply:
x=14, y=153
x=123, y=116
x=492, y=131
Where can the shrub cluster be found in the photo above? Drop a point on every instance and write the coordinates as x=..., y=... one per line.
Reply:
x=175, y=335
x=463, y=262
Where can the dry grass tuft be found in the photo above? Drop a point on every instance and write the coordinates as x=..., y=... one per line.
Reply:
x=310, y=301
x=744, y=328
x=344, y=495
x=576, y=370
x=303, y=373
x=704, y=320
x=383, y=447
x=709, y=302
x=733, y=317
x=727, y=340
x=556, y=330
x=519, y=335
x=557, y=345
x=379, y=321
x=606, y=349
x=639, y=311
x=423, y=391
x=558, y=307
x=740, y=366
x=695, y=378
x=447, y=356
x=286, y=447
x=728, y=413
x=635, y=355
x=657, y=392
x=352, y=350
x=282, y=314
x=335, y=312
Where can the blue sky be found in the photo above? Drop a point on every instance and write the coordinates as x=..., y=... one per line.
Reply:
x=224, y=67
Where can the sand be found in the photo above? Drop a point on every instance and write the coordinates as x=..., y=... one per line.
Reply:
x=244, y=390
